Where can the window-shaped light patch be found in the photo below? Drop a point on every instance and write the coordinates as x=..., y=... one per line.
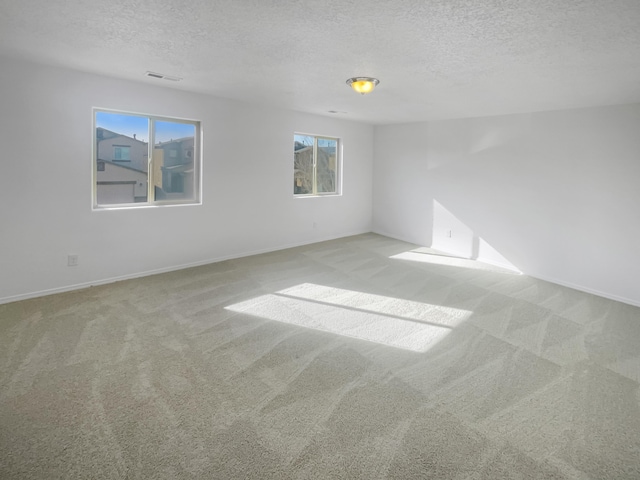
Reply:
x=427, y=255
x=390, y=321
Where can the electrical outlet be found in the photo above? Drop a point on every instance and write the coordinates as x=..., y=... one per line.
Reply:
x=72, y=260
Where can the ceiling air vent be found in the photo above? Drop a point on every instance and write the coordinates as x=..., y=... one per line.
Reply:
x=163, y=76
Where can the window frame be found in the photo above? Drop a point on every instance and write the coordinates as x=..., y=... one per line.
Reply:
x=338, y=170
x=152, y=118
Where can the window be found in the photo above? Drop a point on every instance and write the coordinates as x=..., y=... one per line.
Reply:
x=121, y=153
x=136, y=160
x=315, y=165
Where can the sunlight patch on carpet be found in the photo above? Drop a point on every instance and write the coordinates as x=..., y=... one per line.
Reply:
x=423, y=255
x=390, y=321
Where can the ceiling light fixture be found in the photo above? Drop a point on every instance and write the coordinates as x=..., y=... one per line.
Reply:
x=363, y=85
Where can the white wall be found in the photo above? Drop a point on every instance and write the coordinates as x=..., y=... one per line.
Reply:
x=248, y=205
x=556, y=193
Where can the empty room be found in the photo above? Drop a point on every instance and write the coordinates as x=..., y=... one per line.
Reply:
x=320, y=240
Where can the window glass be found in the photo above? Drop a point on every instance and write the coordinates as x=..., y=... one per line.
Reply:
x=315, y=165
x=121, y=153
x=175, y=168
x=326, y=165
x=130, y=169
x=303, y=165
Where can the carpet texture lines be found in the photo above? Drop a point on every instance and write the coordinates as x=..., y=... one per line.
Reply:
x=358, y=358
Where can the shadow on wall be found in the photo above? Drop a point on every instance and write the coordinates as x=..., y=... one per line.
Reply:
x=451, y=235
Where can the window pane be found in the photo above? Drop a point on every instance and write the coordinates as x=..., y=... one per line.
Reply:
x=173, y=160
x=121, y=153
x=326, y=165
x=302, y=164
x=316, y=165
x=121, y=158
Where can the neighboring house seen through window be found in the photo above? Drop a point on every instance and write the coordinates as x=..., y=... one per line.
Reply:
x=144, y=159
x=315, y=165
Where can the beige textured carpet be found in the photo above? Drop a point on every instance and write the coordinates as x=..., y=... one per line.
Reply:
x=359, y=358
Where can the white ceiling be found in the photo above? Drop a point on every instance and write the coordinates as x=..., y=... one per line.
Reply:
x=434, y=58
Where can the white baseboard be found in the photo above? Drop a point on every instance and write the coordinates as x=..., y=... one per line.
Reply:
x=506, y=266
x=104, y=281
x=581, y=288
x=396, y=237
x=592, y=291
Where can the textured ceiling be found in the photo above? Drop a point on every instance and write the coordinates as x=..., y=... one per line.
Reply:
x=434, y=58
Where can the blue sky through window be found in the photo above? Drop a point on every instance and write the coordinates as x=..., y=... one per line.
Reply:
x=133, y=124
x=308, y=140
x=166, y=131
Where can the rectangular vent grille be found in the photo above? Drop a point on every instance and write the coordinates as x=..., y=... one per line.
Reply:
x=162, y=76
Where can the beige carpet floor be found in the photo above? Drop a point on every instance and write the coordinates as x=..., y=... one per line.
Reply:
x=359, y=358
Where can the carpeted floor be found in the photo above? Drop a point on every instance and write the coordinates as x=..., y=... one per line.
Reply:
x=359, y=358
